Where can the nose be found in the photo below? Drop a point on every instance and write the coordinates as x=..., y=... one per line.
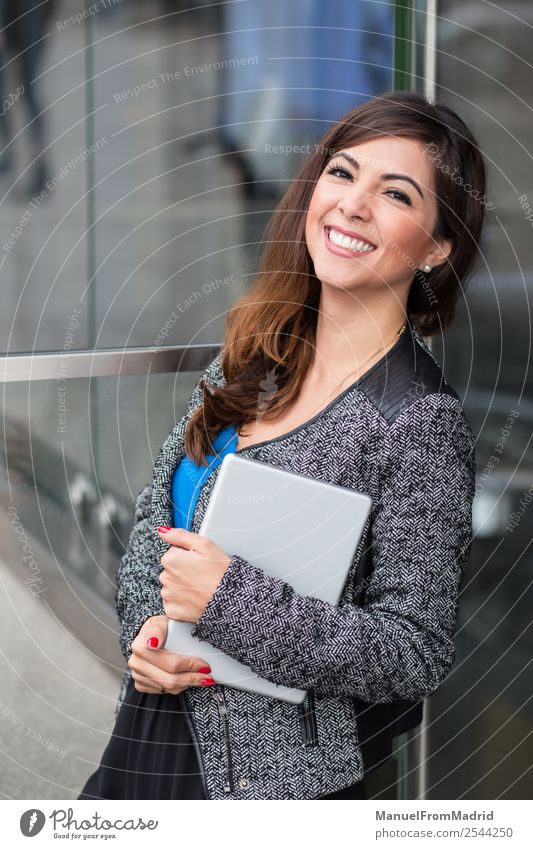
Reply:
x=355, y=202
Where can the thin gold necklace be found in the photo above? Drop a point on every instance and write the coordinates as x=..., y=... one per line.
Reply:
x=402, y=329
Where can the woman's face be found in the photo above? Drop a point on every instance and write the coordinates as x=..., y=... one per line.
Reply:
x=352, y=199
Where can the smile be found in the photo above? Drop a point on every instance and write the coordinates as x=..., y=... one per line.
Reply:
x=344, y=245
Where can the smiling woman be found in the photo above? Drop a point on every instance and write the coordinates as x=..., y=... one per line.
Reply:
x=339, y=299
x=321, y=303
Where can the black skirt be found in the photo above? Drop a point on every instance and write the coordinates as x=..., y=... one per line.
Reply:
x=151, y=755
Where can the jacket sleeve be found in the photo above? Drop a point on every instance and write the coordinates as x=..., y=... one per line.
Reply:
x=399, y=644
x=138, y=591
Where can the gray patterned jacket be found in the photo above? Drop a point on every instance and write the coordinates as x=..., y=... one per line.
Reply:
x=400, y=434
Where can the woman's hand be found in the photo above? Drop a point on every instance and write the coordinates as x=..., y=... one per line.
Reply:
x=193, y=567
x=153, y=667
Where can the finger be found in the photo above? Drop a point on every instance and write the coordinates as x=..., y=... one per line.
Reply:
x=152, y=634
x=173, y=684
x=170, y=661
x=154, y=663
x=181, y=537
x=145, y=685
x=150, y=645
x=167, y=577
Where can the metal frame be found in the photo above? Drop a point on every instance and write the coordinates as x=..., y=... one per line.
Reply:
x=411, y=748
x=430, y=50
x=404, y=35
x=67, y=365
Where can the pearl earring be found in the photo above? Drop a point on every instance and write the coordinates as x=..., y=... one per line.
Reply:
x=427, y=268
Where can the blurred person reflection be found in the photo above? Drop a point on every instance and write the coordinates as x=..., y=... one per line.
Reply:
x=23, y=36
x=304, y=63
x=352, y=49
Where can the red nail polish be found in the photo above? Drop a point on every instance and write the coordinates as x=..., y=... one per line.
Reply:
x=204, y=669
x=163, y=529
x=152, y=642
x=207, y=682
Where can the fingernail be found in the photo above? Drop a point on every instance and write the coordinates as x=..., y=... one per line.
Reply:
x=163, y=529
x=204, y=669
x=207, y=682
x=152, y=642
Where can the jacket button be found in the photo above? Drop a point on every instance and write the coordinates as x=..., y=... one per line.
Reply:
x=244, y=783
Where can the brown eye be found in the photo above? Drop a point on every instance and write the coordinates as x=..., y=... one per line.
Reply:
x=336, y=169
x=401, y=196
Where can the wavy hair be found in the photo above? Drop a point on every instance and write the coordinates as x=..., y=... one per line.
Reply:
x=272, y=327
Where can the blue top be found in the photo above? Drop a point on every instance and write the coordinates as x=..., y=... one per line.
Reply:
x=189, y=478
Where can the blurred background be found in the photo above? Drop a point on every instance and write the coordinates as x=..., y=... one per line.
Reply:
x=143, y=146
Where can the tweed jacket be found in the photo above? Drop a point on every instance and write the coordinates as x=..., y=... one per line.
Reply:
x=399, y=434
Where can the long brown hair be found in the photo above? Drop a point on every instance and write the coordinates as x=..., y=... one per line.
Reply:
x=270, y=331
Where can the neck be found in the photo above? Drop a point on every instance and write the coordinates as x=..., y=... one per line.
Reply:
x=348, y=337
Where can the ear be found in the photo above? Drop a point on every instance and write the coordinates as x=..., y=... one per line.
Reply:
x=439, y=254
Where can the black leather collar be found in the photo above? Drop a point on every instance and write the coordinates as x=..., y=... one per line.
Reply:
x=407, y=373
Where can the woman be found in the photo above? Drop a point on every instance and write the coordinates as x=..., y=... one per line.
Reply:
x=324, y=372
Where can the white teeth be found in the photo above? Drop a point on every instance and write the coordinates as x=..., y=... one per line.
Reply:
x=346, y=242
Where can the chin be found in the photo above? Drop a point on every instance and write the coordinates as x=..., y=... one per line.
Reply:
x=336, y=283
x=326, y=275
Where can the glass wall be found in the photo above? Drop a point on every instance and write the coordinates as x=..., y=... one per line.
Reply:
x=143, y=146
x=72, y=479
x=44, y=163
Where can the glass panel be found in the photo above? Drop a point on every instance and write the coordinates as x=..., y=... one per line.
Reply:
x=45, y=154
x=188, y=119
x=483, y=716
x=72, y=479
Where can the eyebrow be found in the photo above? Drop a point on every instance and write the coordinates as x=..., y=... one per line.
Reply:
x=355, y=164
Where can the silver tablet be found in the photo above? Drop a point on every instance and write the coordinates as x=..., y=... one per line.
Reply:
x=293, y=527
